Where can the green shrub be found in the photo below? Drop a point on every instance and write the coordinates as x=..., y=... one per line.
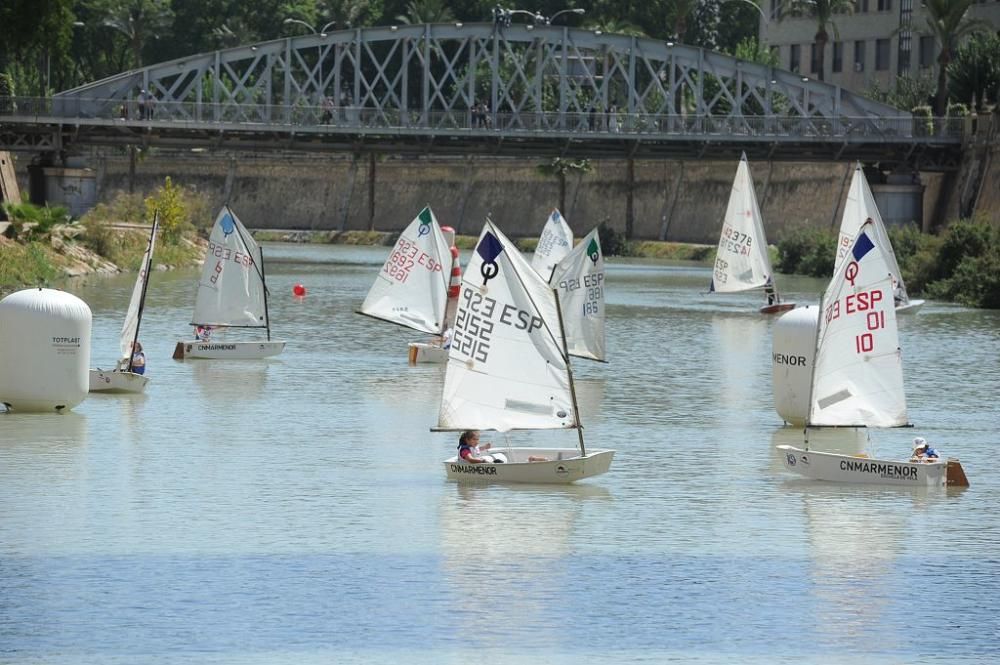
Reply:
x=807, y=251
x=613, y=243
x=30, y=222
x=25, y=264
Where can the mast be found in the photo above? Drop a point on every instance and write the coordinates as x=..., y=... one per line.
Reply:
x=148, y=267
x=812, y=372
x=263, y=284
x=569, y=372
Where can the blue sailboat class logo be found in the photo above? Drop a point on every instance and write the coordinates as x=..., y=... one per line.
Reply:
x=489, y=249
x=228, y=224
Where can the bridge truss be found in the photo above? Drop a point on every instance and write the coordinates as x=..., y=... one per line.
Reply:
x=479, y=89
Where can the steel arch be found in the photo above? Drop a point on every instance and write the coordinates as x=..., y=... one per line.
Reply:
x=442, y=76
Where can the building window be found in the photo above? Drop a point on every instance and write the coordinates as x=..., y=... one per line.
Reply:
x=777, y=11
x=859, y=56
x=813, y=59
x=860, y=6
x=884, y=5
x=794, y=56
x=838, y=56
x=881, y=55
x=927, y=51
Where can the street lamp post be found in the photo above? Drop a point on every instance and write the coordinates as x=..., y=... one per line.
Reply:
x=319, y=48
x=578, y=11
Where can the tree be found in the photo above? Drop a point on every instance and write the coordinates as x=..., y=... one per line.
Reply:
x=822, y=12
x=560, y=168
x=974, y=74
x=948, y=22
x=140, y=21
x=426, y=11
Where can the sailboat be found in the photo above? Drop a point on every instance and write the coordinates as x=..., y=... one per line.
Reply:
x=857, y=374
x=554, y=243
x=579, y=279
x=232, y=293
x=123, y=379
x=411, y=289
x=860, y=208
x=742, y=261
x=508, y=369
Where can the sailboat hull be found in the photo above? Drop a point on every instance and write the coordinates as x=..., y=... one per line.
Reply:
x=227, y=350
x=422, y=352
x=911, y=307
x=836, y=468
x=777, y=308
x=107, y=381
x=564, y=466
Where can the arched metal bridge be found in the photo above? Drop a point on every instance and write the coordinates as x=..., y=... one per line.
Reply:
x=478, y=89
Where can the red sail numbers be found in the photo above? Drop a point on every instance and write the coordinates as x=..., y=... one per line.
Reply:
x=863, y=303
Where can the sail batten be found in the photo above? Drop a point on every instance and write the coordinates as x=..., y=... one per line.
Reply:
x=411, y=289
x=231, y=288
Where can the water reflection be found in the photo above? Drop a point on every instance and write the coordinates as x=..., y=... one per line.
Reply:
x=506, y=554
x=740, y=344
x=227, y=381
x=855, y=537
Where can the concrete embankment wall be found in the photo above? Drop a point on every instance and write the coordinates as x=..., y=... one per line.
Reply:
x=677, y=201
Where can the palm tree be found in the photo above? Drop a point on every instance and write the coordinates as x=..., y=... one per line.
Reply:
x=948, y=23
x=426, y=11
x=138, y=20
x=822, y=12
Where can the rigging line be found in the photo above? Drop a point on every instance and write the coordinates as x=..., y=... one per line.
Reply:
x=552, y=337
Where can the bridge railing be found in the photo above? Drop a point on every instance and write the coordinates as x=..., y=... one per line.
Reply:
x=353, y=119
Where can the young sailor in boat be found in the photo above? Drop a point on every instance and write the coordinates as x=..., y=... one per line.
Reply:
x=922, y=452
x=471, y=451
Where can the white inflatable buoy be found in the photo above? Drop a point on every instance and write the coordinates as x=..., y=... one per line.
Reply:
x=793, y=350
x=44, y=350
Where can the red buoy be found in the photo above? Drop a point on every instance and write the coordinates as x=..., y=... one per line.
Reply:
x=299, y=290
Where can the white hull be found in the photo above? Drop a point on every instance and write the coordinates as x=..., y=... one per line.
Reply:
x=836, y=468
x=422, y=352
x=107, y=381
x=227, y=350
x=911, y=307
x=565, y=466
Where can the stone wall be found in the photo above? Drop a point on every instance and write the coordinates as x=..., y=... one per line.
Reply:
x=677, y=201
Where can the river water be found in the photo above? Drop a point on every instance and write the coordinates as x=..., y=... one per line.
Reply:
x=295, y=510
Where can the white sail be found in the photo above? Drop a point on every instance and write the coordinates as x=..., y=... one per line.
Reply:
x=579, y=277
x=131, y=325
x=861, y=207
x=555, y=242
x=858, y=369
x=412, y=287
x=742, y=261
x=506, y=369
x=231, y=289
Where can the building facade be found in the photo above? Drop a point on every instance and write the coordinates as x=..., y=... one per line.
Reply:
x=881, y=40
